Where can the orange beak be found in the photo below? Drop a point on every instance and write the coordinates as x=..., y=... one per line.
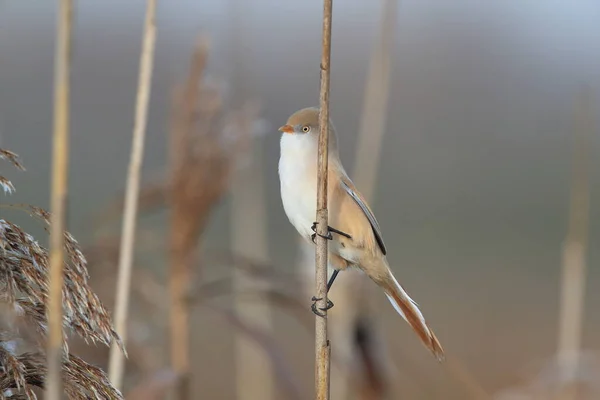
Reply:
x=287, y=129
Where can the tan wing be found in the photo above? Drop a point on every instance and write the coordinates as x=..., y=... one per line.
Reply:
x=348, y=186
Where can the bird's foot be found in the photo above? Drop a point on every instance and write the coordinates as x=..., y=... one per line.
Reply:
x=329, y=231
x=316, y=309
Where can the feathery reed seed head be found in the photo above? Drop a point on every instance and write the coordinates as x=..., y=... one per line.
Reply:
x=24, y=268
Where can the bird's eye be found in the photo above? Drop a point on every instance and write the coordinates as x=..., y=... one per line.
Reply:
x=306, y=129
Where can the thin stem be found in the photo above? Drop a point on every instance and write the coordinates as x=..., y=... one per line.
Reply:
x=322, y=349
x=60, y=169
x=375, y=380
x=575, y=246
x=117, y=358
x=374, y=112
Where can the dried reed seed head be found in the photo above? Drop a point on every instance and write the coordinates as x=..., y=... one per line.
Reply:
x=24, y=266
x=12, y=158
x=72, y=247
x=40, y=213
x=82, y=377
x=82, y=381
x=16, y=396
x=5, y=184
x=205, y=146
x=24, y=272
x=13, y=369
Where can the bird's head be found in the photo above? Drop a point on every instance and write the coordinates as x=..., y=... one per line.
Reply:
x=305, y=124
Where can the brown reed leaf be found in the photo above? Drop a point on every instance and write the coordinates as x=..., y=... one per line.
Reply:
x=82, y=381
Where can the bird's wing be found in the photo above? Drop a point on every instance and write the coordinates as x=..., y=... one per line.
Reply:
x=350, y=189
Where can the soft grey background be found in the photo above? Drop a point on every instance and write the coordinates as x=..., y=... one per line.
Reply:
x=474, y=175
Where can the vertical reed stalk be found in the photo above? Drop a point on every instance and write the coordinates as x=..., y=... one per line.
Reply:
x=60, y=170
x=373, y=383
x=322, y=349
x=373, y=117
x=575, y=246
x=117, y=359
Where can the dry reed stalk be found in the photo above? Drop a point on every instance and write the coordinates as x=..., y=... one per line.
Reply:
x=575, y=246
x=351, y=322
x=117, y=360
x=60, y=169
x=373, y=117
x=322, y=347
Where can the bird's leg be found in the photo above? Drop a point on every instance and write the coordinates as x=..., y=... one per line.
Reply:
x=335, y=272
x=329, y=302
x=333, y=276
x=329, y=230
x=338, y=232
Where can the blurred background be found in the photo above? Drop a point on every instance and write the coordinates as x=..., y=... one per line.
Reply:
x=472, y=188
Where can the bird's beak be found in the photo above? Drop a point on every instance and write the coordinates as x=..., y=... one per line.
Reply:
x=286, y=129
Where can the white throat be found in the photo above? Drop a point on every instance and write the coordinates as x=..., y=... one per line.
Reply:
x=298, y=152
x=298, y=179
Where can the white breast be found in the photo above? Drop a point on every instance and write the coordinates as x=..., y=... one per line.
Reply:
x=298, y=179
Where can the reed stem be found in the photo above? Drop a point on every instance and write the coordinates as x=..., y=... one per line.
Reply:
x=58, y=200
x=117, y=358
x=322, y=349
x=575, y=247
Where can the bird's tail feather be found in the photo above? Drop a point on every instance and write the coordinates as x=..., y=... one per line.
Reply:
x=409, y=310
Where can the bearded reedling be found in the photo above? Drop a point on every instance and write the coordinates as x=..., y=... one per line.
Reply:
x=356, y=240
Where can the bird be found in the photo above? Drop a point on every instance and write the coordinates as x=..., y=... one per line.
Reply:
x=355, y=234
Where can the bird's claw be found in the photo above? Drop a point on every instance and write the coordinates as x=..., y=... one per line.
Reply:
x=313, y=237
x=328, y=236
x=316, y=309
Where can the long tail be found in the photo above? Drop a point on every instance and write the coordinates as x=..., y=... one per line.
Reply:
x=409, y=310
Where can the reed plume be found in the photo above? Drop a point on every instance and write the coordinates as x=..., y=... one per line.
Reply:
x=24, y=284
